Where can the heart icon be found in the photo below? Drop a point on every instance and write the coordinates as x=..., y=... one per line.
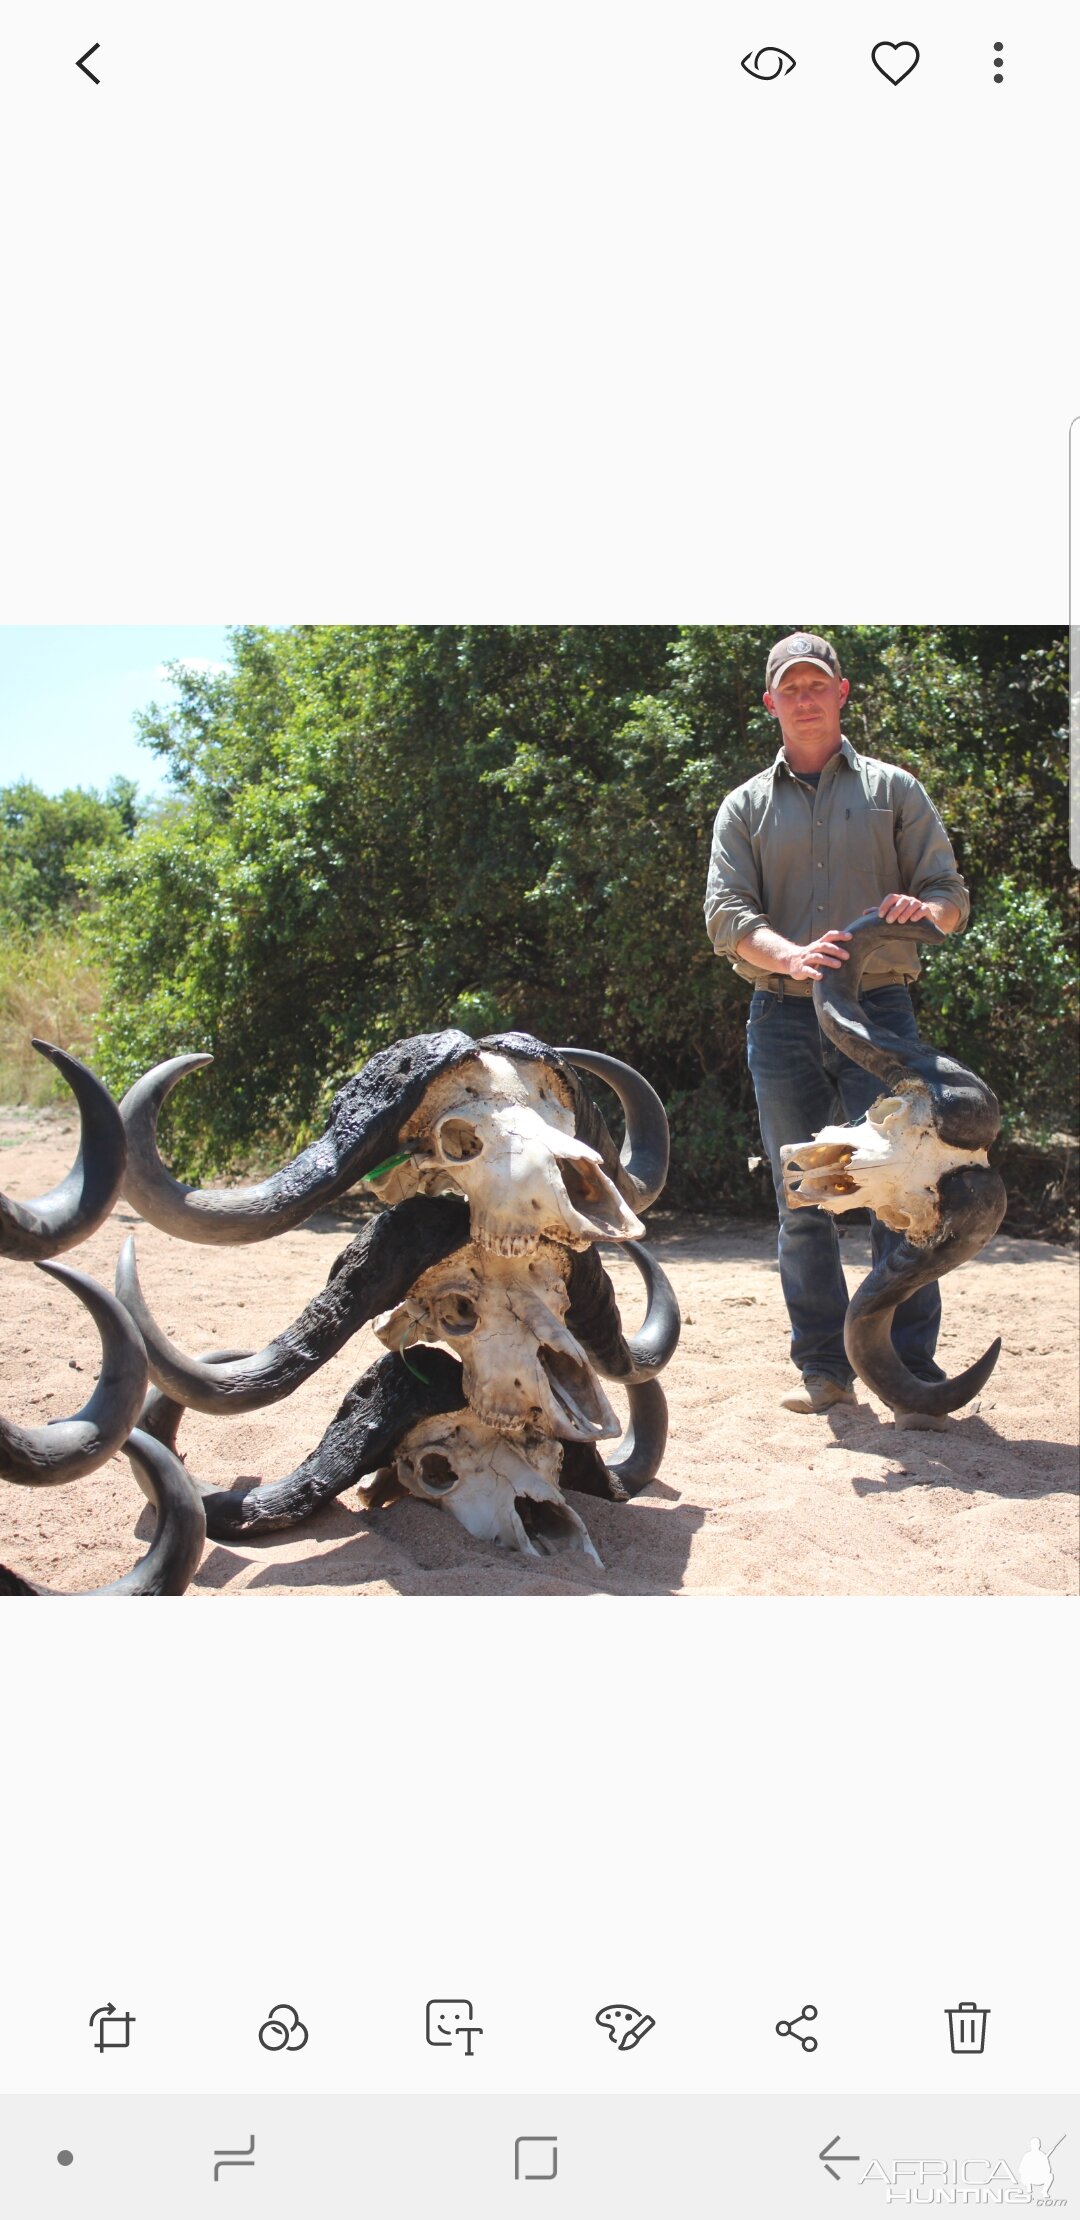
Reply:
x=893, y=61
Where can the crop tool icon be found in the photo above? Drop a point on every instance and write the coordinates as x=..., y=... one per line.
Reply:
x=114, y=2028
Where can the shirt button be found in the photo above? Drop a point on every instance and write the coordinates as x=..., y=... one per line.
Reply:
x=821, y=867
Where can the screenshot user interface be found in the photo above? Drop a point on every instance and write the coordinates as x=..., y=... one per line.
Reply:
x=538, y=1134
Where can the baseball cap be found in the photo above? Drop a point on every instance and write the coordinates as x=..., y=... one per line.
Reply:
x=801, y=647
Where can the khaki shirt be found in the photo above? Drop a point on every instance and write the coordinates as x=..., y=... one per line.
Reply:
x=805, y=861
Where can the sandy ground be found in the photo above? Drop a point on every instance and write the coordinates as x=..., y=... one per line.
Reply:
x=750, y=1501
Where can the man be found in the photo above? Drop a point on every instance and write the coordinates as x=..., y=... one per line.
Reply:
x=798, y=852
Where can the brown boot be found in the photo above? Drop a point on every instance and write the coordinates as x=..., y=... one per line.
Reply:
x=817, y=1393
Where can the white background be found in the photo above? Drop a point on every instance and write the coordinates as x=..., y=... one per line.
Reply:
x=718, y=1811
x=486, y=312
x=500, y=311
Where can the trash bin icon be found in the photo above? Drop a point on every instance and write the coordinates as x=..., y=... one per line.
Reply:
x=967, y=2029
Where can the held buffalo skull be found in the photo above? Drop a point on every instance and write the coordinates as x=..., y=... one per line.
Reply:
x=892, y=1163
x=503, y=1136
x=503, y=1316
x=918, y=1160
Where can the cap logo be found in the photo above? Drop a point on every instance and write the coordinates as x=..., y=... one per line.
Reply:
x=800, y=645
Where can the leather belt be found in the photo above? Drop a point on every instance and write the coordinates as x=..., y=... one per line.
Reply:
x=774, y=982
x=781, y=987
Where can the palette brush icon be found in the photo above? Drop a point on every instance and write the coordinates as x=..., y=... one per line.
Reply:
x=624, y=2025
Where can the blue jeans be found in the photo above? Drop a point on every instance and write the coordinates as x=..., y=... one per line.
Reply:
x=802, y=1083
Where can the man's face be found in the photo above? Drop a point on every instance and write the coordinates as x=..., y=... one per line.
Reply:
x=808, y=701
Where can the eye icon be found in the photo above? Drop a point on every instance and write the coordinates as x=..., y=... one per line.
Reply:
x=767, y=63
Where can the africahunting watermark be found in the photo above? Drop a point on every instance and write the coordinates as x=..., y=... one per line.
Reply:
x=985, y=2181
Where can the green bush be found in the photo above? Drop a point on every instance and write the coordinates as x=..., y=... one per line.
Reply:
x=1002, y=998
x=47, y=844
x=381, y=830
x=712, y=1143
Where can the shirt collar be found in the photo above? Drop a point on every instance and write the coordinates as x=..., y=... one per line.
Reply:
x=780, y=761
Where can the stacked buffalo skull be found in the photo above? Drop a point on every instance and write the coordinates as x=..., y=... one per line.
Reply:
x=498, y=1178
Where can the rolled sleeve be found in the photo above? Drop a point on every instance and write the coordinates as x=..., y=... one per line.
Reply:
x=924, y=852
x=733, y=894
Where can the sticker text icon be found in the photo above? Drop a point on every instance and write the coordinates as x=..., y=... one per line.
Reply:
x=451, y=2020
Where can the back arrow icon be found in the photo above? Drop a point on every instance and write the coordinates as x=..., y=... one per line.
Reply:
x=843, y=2158
x=84, y=58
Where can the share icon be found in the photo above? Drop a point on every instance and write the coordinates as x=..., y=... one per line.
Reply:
x=791, y=2027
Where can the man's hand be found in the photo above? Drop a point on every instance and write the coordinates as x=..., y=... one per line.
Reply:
x=827, y=953
x=902, y=909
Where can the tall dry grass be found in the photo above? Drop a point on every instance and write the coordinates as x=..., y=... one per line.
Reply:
x=48, y=986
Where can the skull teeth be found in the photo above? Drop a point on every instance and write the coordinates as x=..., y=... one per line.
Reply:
x=503, y=1422
x=505, y=1244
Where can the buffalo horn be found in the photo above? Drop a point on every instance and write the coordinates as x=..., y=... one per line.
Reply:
x=965, y=1110
x=69, y=1448
x=71, y=1211
x=210, y=1214
x=173, y=1557
x=375, y=1415
x=637, y=1457
x=972, y=1206
x=376, y=1270
x=593, y=1316
x=644, y=1153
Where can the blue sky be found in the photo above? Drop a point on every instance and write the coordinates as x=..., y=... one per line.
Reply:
x=69, y=693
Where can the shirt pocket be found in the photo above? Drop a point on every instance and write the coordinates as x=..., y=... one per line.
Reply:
x=869, y=866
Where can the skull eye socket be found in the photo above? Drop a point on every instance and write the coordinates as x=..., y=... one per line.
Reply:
x=436, y=1473
x=459, y=1140
x=457, y=1317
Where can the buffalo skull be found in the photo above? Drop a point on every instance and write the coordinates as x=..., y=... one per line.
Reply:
x=498, y=1490
x=503, y=1136
x=892, y=1163
x=523, y=1371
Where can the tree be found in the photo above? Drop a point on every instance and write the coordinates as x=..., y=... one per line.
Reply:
x=380, y=830
x=47, y=842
